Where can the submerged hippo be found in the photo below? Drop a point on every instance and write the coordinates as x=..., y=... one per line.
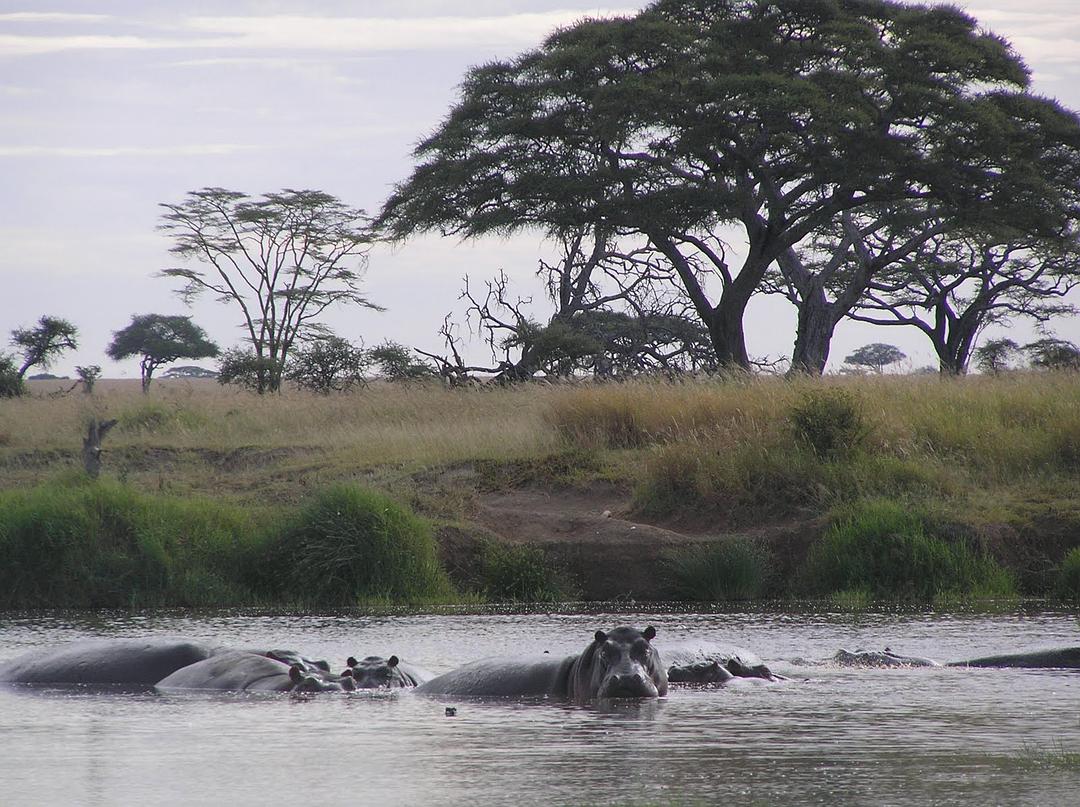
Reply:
x=132, y=663
x=697, y=663
x=1058, y=658
x=884, y=658
x=247, y=671
x=376, y=672
x=621, y=663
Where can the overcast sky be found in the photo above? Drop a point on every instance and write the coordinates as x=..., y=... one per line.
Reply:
x=110, y=108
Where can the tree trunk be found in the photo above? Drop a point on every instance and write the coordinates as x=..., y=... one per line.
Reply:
x=91, y=451
x=813, y=336
x=726, y=332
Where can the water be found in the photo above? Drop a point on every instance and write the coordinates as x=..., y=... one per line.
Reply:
x=830, y=736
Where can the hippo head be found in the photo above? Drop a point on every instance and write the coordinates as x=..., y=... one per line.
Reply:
x=699, y=672
x=620, y=664
x=308, y=681
x=375, y=672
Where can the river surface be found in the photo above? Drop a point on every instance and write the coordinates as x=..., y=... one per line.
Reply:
x=831, y=735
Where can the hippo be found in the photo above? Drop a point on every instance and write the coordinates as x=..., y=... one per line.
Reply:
x=698, y=663
x=621, y=663
x=885, y=658
x=1058, y=658
x=126, y=663
x=375, y=672
x=246, y=671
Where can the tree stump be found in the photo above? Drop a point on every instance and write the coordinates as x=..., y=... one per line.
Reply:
x=95, y=433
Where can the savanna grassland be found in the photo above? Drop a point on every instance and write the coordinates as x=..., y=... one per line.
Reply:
x=895, y=487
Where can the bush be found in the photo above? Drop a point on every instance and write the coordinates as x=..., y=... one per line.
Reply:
x=889, y=551
x=829, y=422
x=351, y=545
x=246, y=369
x=325, y=365
x=102, y=545
x=11, y=383
x=1068, y=583
x=734, y=568
x=515, y=572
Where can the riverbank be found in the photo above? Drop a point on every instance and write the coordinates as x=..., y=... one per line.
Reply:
x=864, y=488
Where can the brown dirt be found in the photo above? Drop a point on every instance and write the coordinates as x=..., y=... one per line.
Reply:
x=593, y=537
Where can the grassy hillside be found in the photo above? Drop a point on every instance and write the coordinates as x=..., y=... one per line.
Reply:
x=983, y=470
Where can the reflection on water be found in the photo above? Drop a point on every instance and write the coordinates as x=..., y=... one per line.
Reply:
x=831, y=735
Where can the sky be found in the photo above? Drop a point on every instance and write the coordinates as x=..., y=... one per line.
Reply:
x=112, y=107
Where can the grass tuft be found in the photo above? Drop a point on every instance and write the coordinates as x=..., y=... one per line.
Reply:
x=735, y=568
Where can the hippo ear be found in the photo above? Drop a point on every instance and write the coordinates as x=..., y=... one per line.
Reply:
x=650, y=633
x=600, y=637
x=296, y=674
x=350, y=662
x=392, y=661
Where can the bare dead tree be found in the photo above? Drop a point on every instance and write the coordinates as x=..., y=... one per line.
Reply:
x=91, y=452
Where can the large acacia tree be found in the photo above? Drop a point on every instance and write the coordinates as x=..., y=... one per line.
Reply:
x=281, y=259
x=778, y=117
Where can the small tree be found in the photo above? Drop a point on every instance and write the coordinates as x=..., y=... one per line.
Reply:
x=160, y=339
x=329, y=364
x=245, y=368
x=398, y=363
x=993, y=357
x=876, y=356
x=1053, y=354
x=87, y=376
x=11, y=383
x=190, y=371
x=42, y=344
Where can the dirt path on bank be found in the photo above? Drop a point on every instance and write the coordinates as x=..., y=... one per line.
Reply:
x=593, y=536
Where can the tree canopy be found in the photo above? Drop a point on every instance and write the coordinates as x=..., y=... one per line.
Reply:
x=43, y=343
x=781, y=118
x=160, y=339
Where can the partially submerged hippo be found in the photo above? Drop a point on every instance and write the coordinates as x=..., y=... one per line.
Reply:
x=246, y=671
x=884, y=658
x=131, y=663
x=376, y=672
x=621, y=663
x=697, y=663
x=1058, y=658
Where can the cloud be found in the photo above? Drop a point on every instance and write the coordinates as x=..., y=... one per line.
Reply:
x=51, y=16
x=309, y=33
x=199, y=150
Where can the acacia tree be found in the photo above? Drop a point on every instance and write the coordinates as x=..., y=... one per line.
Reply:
x=43, y=343
x=159, y=339
x=281, y=259
x=778, y=117
x=877, y=356
x=955, y=286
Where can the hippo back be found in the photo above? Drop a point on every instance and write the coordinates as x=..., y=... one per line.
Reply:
x=244, y=671
x=536, y=676
x=138, y=663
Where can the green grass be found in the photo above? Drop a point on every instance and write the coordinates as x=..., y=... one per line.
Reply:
x=735, y=568
x=350, y=545
x=519, y=573
x=890, y=550
x=1068, y=583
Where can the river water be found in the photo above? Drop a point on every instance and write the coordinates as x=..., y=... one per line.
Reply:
x=831, y=735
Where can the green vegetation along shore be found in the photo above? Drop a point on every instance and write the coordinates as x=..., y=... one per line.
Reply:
x=892, y=488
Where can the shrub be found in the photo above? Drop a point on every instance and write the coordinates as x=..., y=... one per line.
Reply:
x=1068, y=583
x=517, y=572
x=829, y=422
x=328, y=364
x=11, y=383
x=100, y=544
x=246, y=369
x=734, y=568
x=889, y=551
x=350, y=545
